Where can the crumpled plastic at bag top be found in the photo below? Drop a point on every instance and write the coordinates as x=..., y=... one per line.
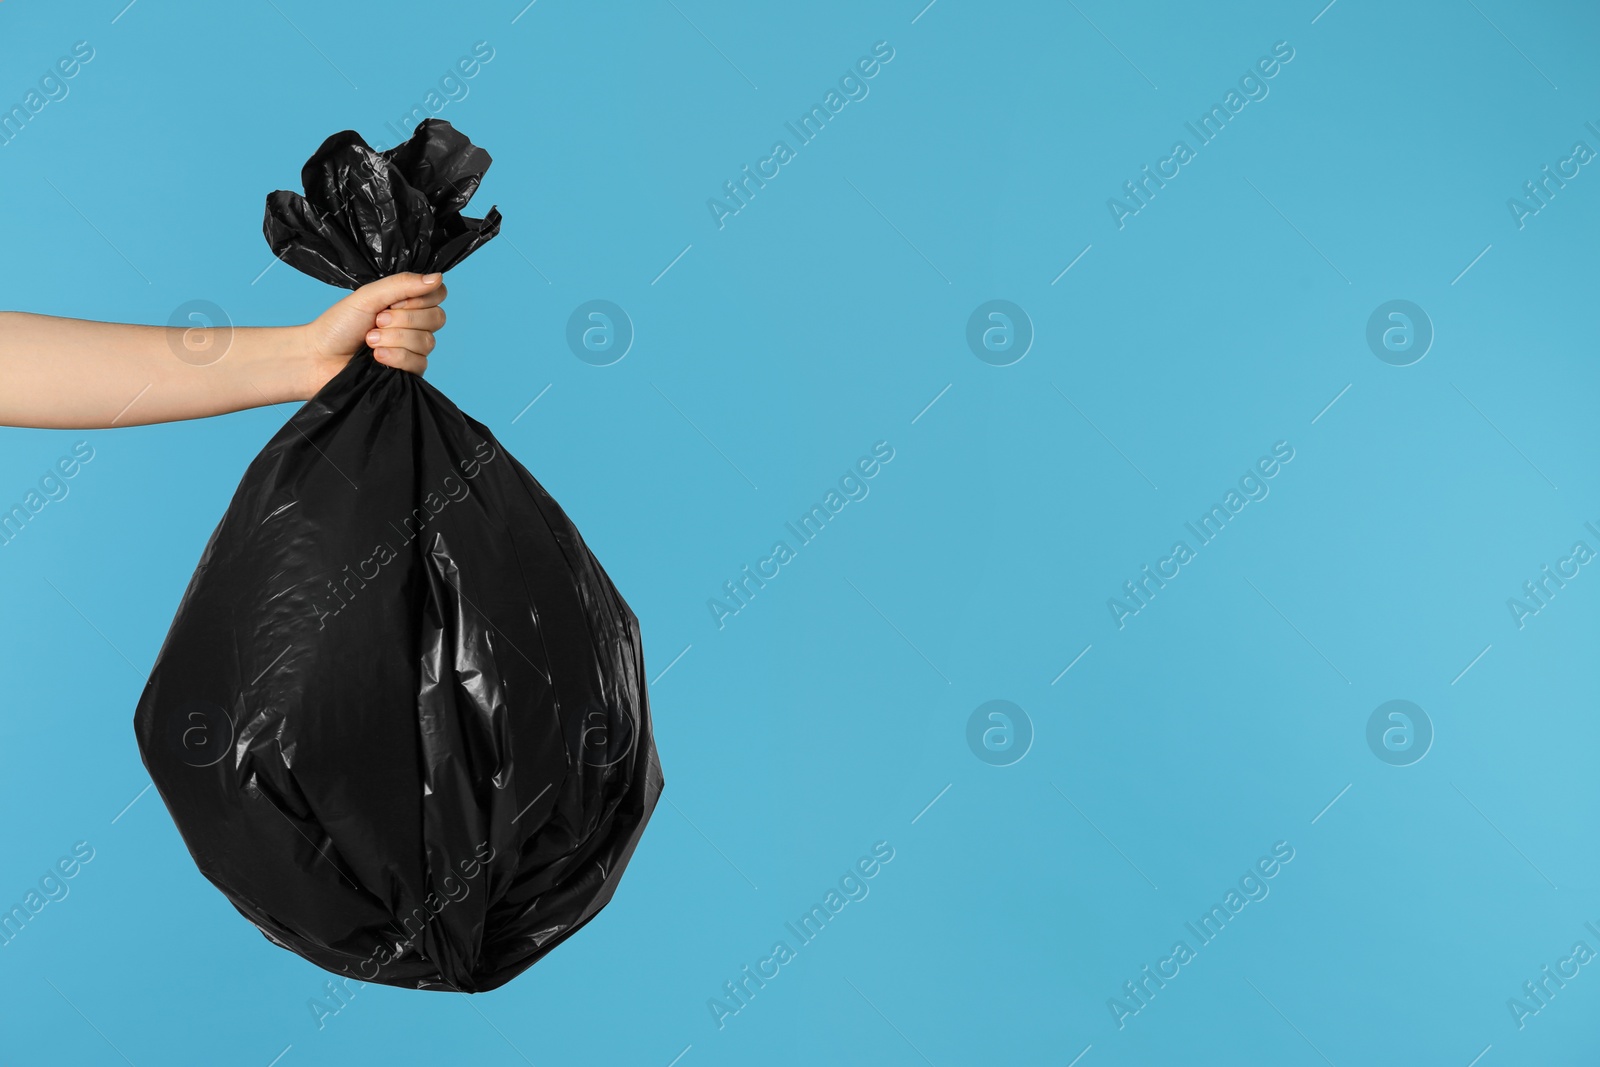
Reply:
x=366, y=215
x=400, y=719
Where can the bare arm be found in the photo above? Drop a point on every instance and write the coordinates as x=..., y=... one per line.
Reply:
x=71, y=373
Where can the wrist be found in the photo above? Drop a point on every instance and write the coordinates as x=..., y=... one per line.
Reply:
x=299, y=362
x=277, y=366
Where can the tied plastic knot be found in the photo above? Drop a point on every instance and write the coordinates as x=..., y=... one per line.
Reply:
x=366, y=214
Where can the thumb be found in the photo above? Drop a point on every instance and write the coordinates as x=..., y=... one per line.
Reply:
x=386, y=292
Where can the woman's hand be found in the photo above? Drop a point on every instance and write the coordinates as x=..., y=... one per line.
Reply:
x=396, y=317
x=65, y=373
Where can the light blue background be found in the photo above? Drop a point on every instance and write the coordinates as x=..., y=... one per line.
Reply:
x=830, y=712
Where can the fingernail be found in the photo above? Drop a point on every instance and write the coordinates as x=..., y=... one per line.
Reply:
x=374, y=337
x=431, y=278
x=384, y=318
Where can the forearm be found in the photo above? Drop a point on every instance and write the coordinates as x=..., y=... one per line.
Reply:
x=70, y=373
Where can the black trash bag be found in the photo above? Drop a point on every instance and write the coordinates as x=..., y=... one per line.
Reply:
x=400, y=719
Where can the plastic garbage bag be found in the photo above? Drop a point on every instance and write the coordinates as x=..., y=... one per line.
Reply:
x=400, y=719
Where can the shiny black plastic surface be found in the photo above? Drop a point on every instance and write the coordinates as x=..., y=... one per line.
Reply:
x=400, y=719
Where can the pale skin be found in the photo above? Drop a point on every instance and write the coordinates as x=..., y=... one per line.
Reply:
x=60, y=373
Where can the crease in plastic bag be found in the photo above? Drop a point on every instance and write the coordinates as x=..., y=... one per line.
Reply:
x=400, y=719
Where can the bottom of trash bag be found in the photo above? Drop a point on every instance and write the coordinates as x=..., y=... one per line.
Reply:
x=420, y=972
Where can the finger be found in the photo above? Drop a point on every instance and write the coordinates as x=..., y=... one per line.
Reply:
x=402, y=359
x=393, y=337
x=431, y=298
x=430, y=319
x=375, y=296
